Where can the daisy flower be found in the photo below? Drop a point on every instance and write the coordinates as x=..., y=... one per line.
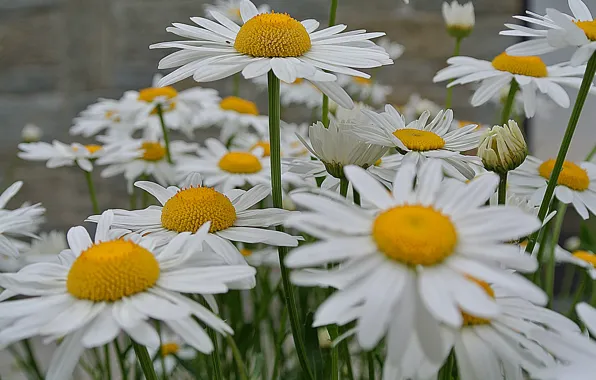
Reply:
x=235, y=115
x=172, y=348
x=270, y=41
x=105, y=114
x=188, y=208
x=397, y=280
x=530, y=72
x=337, y=145
x=492, y=346
x=460, y=19
x=576, y=183
x=45, y=247
x=231, y=9
x=137, y=157
x=291, y=146
x=365, y=90
x=264, y=257
x=225, y=169
x=416, y=106
x=99, y=288
x=558, y=30
x=21, y=222
x=420, y=141
x=394, y=49
x=298, y=92
x=583, y=259
x=58, y=154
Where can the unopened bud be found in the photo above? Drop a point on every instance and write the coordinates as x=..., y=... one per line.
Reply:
x=31, y=133
x=324, y=338
x=460, y=19
x=503, y=148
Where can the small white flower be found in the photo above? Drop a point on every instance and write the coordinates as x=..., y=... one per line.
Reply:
x=459, y=19
x=558, y=30
x=416, y=106
x=225, y=169
x=31, y=133
x=291, y=146
x=235, y=115
x=44, y=248
x=530, y=72
x=116, y=116
x=394, y=49
x=365, y=90
x=231, y=9
x=59, y=154
x=503, y=148
x=299, y=92
x=576, y=183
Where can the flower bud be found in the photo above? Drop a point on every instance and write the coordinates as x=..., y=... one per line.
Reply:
x=460, y=19
x=31, y=133
x=324, y=338
x=503, y=148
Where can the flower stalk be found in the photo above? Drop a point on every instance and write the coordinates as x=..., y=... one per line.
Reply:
x=456, y=50
x=508, y=106
x=92, y=193
x=164, y=129
x=144, y=361
x=325, y=107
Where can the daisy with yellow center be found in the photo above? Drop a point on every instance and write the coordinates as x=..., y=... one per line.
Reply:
x=99, y=288
x=190, y=207
x=581, y=258
x=235, y=115
x=530, y=72
x=231, y=9
x=134, y=158
x=405, y=260
x=291, y=146
x=58, y=154
x=576, y=184
x=225, y=169
x=299, y=92
x=106, y=114
x=420, y=141
x=275, y=42
x=365, y=89
x=166, y=356
x=577, y=30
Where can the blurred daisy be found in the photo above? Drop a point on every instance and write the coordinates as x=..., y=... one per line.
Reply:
x=172, y=348
x=576, y=183
x=105, y=114
x=559, y=31
x=137, y=157
x=271, y=41
x=44, y=248
x=531, y=73
x=58, y=154
x=575, y=352
x=394, y=49
x=291, y=146
x=365, y=90
x=497, y=345
x=298, y=92
x=234, y=115
x=21, y=222
x=231, y=9
x=397, y=280
x=460, y=19
x=457, y=124
x=420, y=141
x=188, y=208
x=225, y=169
x=267, y=257
x=416, y=106
x=101, y=287
x=583, y=259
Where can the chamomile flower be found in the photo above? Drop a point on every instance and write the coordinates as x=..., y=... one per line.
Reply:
x=44, y=248
x=299, y=92
x=530, y=72
x=291, y=146
x=559, y=31
x=266, y=257
x=497, y=346
x=225, y=169
x=58, y=154
x=231, y=9
x=21, y=222
x=188, y=208
x=416, y=106
x=576, y=183
x=337, y=146
x=137, y=157
x=105, y=114
x=172, y=348
x=235, y=115
x=365, y=90
x=99, y=288
x=420, y=141
x=397, y=280
x=271, y=41
x=583, y=259
x=394, y=49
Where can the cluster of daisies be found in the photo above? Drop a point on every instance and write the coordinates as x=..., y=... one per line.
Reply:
x=396, y=236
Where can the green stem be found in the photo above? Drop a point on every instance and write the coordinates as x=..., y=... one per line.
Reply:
x=502, y=188
x=578, y=293
x=356, y=196
x=144, y=361
x=591, y=154
x=343, y=186
x=106, y=354
x=325, y=115
x=573, y=120
x=121, y=360
x=236, y=91
x=144, y=194
x=549, y=282
x=509, y=102
x=215, y=361
x=347, y=358
x=276, y=194
x=164, y=129
x=543, y=240
x=31, y=359
x=449, y=99
x=162, y=359
x=92, y=194
x=133, y=199
x=237, y=357
x=567, y=282
x=371, y=365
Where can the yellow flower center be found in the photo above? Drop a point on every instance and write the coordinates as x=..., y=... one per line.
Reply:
x=92, y=148
x=415, y=139
x=362, y=81
x=265, y=146
x=529, y=66
x=149, y=94
x=170, y=107
x=169, y=349
x=572, y=175
x=470, y=320
x=272, y=35
x=465, y=123
x=586, y=256
x=153, y=151
x=240, y=163
x=190, y=208
x=111, y=270
x=246, y=252
x=378, y=162
x=589, y=28
x=414, y=235
x=234, y=103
